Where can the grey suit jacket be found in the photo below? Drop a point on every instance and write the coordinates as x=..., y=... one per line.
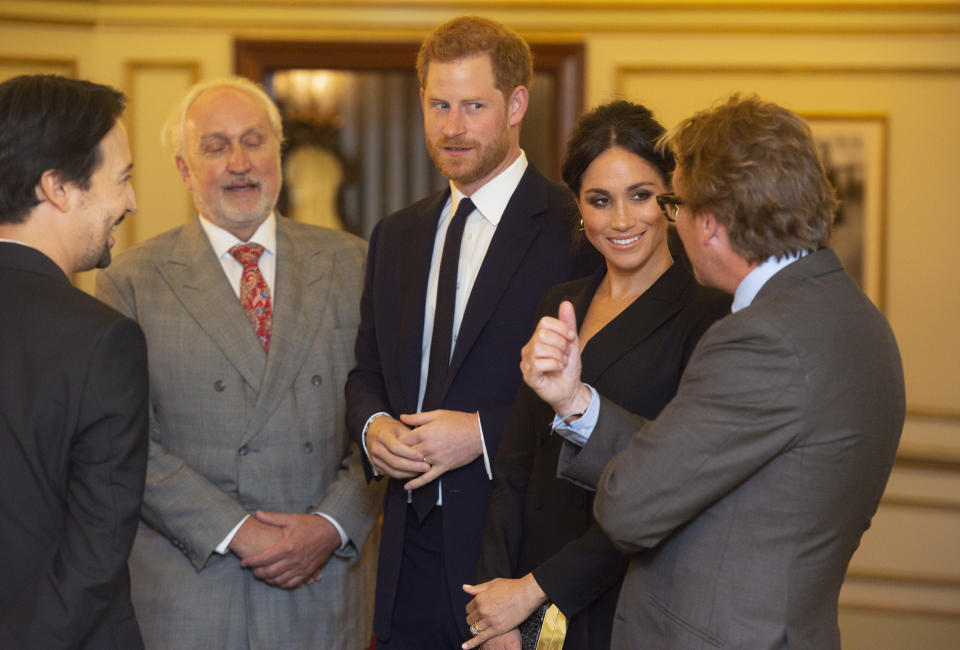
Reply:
x=750, y=491
x=234, y=429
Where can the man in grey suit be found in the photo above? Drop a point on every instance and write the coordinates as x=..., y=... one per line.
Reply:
x=744, y=500
x=258, y=529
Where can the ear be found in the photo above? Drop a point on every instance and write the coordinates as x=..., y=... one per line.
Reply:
x=710, y=229
x=517, y=105
x=53, y=190
x=184, y=170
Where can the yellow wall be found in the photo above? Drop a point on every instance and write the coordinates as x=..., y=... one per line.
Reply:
x=896, y=62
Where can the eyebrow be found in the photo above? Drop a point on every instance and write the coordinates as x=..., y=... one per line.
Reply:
x=635, y=186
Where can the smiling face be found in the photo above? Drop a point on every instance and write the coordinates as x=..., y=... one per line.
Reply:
x=231, y=160
x=471, y=129
x=104, y=205
x=621, y=217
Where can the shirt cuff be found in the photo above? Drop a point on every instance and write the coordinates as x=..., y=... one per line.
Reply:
x=579, y=429
x=224, y=546
x=344, y=539
x=363, y=441
x=483, y=447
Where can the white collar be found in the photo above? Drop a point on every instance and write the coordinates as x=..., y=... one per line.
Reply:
x=491, y=199
x=754, y=280
x=223, y=240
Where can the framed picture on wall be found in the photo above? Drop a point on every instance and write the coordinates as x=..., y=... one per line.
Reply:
x=853, y=151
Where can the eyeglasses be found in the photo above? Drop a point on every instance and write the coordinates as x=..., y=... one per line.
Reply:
x=670, y=204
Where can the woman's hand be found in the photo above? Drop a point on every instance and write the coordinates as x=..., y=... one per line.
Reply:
x=501, y=605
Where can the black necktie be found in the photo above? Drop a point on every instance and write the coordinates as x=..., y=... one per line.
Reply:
x=426, y=497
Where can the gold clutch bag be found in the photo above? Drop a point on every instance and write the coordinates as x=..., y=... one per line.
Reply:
x=545, y=629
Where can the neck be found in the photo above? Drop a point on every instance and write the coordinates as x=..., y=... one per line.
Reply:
x=48, y=241
x=618, y=285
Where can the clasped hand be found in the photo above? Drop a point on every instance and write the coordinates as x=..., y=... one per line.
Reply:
x=286, y=550
x=423, y=446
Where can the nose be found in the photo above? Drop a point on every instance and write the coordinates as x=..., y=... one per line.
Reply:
x=239, y=161
x=621, y=219
x=453, y=124
x=131, y=201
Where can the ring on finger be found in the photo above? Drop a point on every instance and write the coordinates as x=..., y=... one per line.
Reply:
x=474, y=630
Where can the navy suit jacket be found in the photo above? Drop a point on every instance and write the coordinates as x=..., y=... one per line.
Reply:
x=530, y=251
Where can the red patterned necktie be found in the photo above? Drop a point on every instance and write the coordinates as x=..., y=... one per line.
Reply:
x=254, y=293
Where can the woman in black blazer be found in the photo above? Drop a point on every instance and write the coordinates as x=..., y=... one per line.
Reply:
x=639, y=319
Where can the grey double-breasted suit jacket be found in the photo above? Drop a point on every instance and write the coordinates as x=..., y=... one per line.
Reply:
x=234, y=429
x=752, y=488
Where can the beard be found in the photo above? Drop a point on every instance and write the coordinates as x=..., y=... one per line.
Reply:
x=104, y=260
x=486, y=158
x=227, y=216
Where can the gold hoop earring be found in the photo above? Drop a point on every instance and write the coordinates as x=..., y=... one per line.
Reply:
x=581, y=224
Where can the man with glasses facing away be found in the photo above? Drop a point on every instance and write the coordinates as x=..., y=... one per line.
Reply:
x=452, y=286
x=745, y=499
x=73, y=373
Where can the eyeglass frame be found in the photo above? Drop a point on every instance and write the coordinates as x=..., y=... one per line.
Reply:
x=670, y=205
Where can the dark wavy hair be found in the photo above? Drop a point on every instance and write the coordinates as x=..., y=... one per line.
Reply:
x=754, y=166
x=49, y=122
x=618, y=123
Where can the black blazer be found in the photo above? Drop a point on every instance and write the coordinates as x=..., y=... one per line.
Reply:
x=538, y=522
x=530, y=251
x=73, y=452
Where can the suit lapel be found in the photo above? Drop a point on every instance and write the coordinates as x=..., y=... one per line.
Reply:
x=634, y=324
x=516, y=231
x=300, y=297
x=195, y=276
x=419, y=235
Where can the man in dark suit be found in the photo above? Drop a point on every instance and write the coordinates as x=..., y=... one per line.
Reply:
x=429, y=403
x=73, y=374
x=254, y=486
x=745, y=498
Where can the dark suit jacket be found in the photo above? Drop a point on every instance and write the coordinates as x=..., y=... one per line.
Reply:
x=541, y=523
x=73, y=452
x=530, y=251
x=752, y=488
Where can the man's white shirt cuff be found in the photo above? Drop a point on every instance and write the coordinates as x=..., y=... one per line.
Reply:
x=363, y=440
x=223, y=546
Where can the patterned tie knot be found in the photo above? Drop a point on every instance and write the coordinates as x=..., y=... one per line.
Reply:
x=247, y=254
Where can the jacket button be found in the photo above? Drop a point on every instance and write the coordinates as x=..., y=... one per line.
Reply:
x=243, y=451
x=308, y=447
x=219, y=385
x=316, y=380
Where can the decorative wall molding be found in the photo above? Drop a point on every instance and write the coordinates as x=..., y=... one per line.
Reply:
x=64, y=66
x=569, y=18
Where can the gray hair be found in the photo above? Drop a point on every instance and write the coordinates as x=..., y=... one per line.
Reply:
x=172, y=135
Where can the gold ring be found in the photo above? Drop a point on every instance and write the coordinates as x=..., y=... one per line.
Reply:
x=474, y=630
